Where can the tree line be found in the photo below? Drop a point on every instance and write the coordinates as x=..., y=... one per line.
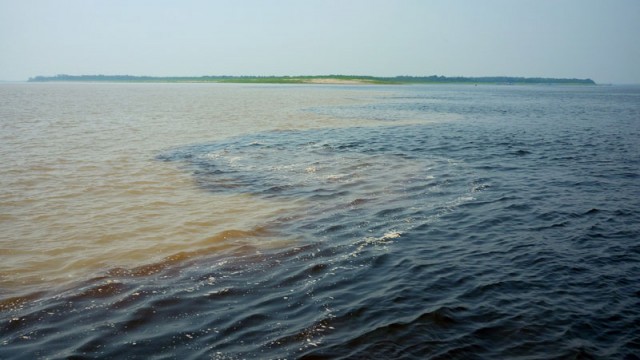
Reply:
x=405, y=79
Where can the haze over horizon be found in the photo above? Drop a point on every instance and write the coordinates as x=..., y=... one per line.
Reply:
x=542, y=38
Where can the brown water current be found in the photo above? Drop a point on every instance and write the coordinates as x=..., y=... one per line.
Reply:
x=81, y=192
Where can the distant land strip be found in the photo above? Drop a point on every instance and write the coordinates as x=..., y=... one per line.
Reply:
x=315, y=79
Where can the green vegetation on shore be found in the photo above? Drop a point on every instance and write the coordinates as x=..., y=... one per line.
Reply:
x=319, y=79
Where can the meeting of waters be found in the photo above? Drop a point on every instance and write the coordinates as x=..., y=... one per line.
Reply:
x=230, y=221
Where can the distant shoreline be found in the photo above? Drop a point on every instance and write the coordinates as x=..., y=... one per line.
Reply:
x=316, y=79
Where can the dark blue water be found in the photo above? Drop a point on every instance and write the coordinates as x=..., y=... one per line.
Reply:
x=509, y=230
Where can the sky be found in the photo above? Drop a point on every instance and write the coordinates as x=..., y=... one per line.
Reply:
x=597, y=39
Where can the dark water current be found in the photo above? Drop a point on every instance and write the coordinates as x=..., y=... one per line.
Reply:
x=511, y=230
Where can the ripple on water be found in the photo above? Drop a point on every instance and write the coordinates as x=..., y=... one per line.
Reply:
x=497, y=237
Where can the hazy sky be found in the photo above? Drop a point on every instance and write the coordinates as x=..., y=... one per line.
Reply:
x=599, y=39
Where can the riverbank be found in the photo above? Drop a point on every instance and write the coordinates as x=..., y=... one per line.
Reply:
x=317, y=79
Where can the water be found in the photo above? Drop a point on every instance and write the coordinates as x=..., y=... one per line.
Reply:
x=232, y=221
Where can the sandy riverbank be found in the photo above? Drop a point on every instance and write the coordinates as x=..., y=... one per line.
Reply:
x=334, y=81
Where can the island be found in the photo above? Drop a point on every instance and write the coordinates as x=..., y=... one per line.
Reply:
x=316, y=79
